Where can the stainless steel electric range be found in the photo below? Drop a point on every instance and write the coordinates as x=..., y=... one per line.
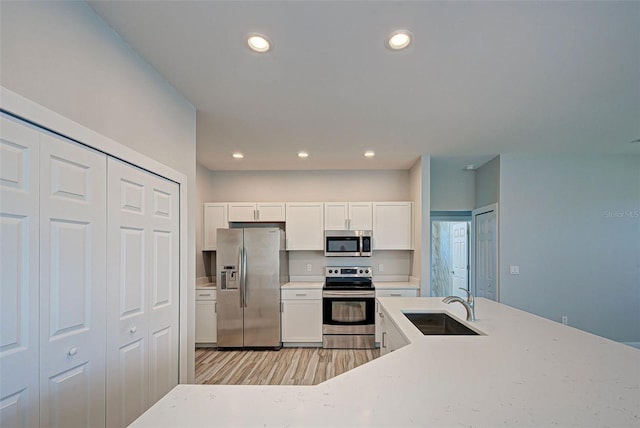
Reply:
x=348, y=302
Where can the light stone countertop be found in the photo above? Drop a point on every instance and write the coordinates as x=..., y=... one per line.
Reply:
x=302, y=285
x=524, y=371
x=396, y=284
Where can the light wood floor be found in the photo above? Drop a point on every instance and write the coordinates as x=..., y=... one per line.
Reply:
x=288, y=366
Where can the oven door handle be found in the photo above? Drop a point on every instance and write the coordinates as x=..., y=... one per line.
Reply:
x=349, y=293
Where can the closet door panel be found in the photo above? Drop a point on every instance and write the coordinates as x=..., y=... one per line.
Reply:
x=72, y=283
x=127, y=300
x=164, y=274
x=19, y=299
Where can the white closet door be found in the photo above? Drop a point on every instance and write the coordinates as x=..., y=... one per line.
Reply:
x=19, y=299
x=128, y=298
x=72, y=284
x=142, y=344
x=164, y=240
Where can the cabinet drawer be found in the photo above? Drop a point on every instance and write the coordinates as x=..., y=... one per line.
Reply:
x=205, y=294
x=304, y=294
x=402, y=292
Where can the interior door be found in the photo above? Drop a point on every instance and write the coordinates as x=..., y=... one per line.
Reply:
x=163, y=200
x=72, y=284
x=19, y=298
x=486, y=252
x=460, y=258
x=128, y=252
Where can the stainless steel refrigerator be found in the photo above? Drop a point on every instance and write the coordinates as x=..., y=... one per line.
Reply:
x=251, y=266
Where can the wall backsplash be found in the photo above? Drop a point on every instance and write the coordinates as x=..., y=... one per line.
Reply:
x=394, y=263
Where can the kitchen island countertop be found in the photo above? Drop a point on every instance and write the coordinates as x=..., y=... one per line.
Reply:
x=524, y=371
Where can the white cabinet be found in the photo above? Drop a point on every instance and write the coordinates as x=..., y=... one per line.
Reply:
x=348, y=216
x=391, y=338
x=215, y=217
x=257, y=211
x=305, y=226
x=392, y=225
x=206, y=316
x=389, y=292
x=302, y=316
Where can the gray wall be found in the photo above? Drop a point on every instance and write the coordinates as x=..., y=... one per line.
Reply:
x=572, y=224
x=64, y=57
x=452, y=188
x=487, y=183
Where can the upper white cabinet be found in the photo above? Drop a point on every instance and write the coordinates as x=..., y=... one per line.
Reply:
x=392, y=225
x=260, y=211
x=348, y=216
x=304, y=227
x=215, y=217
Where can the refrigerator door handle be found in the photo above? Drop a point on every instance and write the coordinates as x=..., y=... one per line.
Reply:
x=240, y=274
x=244, y=277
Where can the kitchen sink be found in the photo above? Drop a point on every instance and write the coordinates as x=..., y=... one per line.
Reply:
x=438, y=323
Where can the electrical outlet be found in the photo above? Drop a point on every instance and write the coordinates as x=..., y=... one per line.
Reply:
x=380, y=267
x=309, y=267
x=565, y=320
x=514, y=270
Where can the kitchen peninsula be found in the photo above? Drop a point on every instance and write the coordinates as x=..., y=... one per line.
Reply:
x=522, y=370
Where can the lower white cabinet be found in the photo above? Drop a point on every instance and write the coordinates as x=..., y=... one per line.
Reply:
x=206, y=317
x=302, y=316
x=389, y=292
x=391, y=338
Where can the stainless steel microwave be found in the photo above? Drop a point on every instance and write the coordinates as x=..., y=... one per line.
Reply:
x=347, y=243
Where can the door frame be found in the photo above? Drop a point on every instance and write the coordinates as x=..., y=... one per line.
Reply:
x=472, y=246
x=451, y=216
x=31, y=112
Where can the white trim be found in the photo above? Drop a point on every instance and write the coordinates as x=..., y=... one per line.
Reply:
x=43, y=117
x=472, y=246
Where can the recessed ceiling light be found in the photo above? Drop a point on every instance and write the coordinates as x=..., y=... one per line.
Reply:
x=369, y=154
x=399, y=39
x=258, y=43
x=238, y=155
x=469, y=167
x=303, y=155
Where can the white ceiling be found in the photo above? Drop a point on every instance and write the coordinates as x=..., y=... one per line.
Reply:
x=480, y=78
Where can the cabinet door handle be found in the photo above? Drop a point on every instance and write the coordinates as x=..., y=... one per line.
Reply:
x=133, y=329
x=384, y=336
x=205, y=295
x=281, y=306
x=73, y=351
x=301, y=294
x=396, y=294
x=215, y=307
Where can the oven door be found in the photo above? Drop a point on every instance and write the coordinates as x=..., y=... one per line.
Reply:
x=348, y=312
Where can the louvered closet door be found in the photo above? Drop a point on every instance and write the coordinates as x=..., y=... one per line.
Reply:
x=142, y=345
x=72, y=284
x=19, y=357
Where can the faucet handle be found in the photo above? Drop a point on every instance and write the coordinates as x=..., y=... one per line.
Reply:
x=469, y=295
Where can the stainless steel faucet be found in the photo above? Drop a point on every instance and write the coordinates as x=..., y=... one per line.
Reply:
x=468, y=304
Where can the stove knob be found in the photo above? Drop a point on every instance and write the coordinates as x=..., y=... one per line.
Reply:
x=360, y=270
x=366, y=271
x=330, y=271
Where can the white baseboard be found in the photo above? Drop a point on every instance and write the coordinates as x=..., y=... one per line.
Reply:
x=634, y=344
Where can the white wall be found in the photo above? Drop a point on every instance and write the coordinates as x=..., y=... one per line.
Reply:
x=204, y=193
x=64, y=57
x=452, y=188
x=310, y=186
x=572, y=224
x=419, y=186
x=487, y=183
